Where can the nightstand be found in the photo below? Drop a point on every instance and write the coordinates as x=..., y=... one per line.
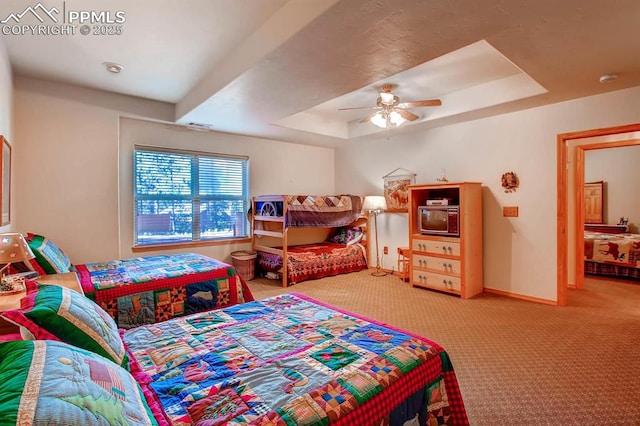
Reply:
x=68, y=280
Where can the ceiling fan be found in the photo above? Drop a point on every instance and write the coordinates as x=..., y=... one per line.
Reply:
x=390, y=111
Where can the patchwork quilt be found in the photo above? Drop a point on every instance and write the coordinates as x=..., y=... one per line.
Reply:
x=149, y=289
x=313, y=261
x=291, y=360
x=310, y=211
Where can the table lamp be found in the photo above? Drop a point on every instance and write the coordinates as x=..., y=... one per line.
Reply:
x=375, y=204
x=13, y=248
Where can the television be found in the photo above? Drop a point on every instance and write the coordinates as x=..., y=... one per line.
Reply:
x=439, y=220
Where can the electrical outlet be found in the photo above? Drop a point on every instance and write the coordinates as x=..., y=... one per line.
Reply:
x=385, y=250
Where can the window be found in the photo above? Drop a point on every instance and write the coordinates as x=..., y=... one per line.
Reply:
x=185, y=196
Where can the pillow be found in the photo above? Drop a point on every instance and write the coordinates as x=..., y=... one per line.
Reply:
x=49, y=258
x=51, y=312
x=348, y=235
x=53, y=383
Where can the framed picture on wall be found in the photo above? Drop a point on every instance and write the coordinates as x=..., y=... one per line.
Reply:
x=5, y=188
x=396, y=190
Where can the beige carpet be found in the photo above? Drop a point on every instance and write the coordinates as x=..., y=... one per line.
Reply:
x=517, y=362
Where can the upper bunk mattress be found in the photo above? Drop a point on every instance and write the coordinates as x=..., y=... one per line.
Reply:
x=315, y=210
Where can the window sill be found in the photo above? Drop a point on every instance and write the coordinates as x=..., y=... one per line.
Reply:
x=157, y=247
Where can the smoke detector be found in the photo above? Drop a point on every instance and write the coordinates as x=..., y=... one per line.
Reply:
x=113, y=67
x=607, y=78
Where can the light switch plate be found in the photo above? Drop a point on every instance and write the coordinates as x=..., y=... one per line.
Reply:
x=510, y=211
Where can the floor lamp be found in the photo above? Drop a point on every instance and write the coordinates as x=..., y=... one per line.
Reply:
x=375, y=204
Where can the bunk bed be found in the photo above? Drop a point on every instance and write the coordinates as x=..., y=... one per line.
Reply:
x=612, y=254
x=302, y=237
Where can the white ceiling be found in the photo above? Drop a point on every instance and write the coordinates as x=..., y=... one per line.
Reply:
x=281, y=69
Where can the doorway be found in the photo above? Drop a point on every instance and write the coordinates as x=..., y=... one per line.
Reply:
x=569, y=232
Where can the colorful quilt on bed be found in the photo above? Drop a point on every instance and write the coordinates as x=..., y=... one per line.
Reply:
x=313, y=261
x=149, y=289
x=291, y=360
x=619, y=249
x=322, y=210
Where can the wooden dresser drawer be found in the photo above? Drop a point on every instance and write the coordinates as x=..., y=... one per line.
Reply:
x=448, y=266
x=436, y=281
x=446, y=248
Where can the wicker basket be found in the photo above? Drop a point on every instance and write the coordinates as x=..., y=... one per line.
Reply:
x=245, y=263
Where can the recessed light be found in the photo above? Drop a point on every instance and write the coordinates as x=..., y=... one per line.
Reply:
x=113, y=67
x=607, y=78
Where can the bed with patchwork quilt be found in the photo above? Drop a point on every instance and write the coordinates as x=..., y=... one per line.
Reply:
x=302, y=237
x=149, y=289
x=612, y=254
x=313, y=261
x=285, y=360
x=291, y=360
x=146, y=289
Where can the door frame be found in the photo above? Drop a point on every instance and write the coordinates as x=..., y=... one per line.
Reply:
x=564, y=168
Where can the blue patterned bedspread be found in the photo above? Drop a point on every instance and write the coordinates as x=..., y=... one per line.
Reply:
x=291, y=360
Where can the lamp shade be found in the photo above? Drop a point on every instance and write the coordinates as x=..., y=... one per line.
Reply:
x=374, y=203
x=14, y=248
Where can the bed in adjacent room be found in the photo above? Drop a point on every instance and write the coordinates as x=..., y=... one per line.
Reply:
x=302, y=237
x=147, y=289
x=285, y=360
x=612, y=254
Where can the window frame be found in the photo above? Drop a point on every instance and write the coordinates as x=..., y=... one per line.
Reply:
x=195, y=197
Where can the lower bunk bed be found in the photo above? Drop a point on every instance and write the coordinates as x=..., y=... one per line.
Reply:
x=303, y=237
x=285, y=360
x=614, y=255
x=149, y=289
x=313, y=261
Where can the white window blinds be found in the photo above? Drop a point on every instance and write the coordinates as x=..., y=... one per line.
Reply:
x=183, y=196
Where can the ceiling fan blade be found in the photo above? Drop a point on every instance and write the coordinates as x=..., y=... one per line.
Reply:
x=414, y=104
x=368, y=117
x=407, y=115
x=346, y=109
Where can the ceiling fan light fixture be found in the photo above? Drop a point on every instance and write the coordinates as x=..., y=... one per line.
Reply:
x=396, y=118
x=386, y=120
x=387, y=98
x=379, y=120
